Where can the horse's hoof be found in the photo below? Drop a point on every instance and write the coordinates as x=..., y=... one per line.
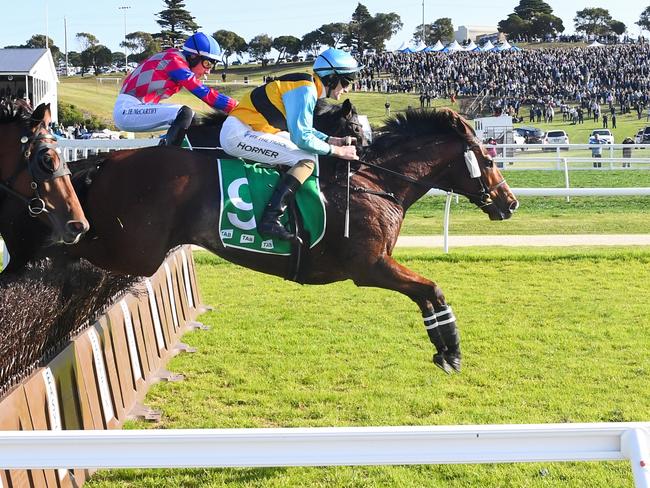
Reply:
x=453, y=360
x=439, y=360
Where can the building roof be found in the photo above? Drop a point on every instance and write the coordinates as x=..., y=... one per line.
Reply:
x=20, y=60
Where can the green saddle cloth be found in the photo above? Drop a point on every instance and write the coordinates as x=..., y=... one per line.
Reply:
x=245, y=191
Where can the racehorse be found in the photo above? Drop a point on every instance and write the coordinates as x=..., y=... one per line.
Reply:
x=34, y=181
x=143, y=202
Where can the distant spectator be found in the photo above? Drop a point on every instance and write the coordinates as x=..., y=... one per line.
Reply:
x=387, y=107
x=627, y=151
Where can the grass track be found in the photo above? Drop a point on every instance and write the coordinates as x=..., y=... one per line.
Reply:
x=548, y=336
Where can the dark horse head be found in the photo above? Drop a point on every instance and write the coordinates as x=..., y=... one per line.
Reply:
x=439, y=149
x=34, y=178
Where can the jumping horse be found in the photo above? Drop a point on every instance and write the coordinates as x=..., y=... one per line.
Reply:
x=35, y=186
x=143, y=202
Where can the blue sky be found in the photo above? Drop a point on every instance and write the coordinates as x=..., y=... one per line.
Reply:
x=275, y=17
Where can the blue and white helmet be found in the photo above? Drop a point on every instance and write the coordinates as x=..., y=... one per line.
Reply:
x=336, y=62
x=202, y=45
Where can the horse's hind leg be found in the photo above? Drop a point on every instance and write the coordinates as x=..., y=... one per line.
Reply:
x=438, y=317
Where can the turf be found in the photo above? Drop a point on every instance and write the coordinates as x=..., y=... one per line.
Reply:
x=548, y=336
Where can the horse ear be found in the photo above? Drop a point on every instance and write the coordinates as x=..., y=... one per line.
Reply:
x=346, y=107
x=39, y=113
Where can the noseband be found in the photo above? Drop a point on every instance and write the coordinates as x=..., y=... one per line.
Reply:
x=35, y=158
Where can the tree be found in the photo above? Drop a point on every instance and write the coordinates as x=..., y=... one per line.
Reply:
x=86, y=40
x=644, y=19
x=141, y=45
x=286, y=45
x=527, y=9
x=543, y=25
x=442, y=29
x=311, y=42
x=617, y=27
x=366, y=31
x=230, y=43
x=515, y=26
x=176, y=23
x=531, y=18
x=333, y=34
x=593, y=21
x=38, y=41
x=96, y=57
x=259, y=46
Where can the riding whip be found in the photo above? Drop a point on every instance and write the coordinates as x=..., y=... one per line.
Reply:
x=346, y=232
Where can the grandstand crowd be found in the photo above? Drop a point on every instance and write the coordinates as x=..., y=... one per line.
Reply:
x=617, y=75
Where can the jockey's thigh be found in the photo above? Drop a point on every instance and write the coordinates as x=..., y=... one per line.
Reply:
x=131, y=114
x=238, y=139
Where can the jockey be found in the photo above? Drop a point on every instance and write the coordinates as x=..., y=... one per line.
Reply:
x=273, y=124
x=163, y=75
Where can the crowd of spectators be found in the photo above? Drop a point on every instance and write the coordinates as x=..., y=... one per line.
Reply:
x=618, y=76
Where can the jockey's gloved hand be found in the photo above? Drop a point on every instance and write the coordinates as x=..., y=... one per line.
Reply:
x=345, y=152
x=342, y=141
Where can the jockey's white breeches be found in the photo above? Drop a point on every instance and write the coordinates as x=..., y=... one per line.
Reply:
x=131, y=114
x=238, y=139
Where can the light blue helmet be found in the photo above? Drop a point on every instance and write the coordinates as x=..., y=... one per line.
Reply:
x=336, y=62
x=202, y=45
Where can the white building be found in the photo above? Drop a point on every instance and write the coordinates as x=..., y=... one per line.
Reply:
x=472, y=32
x=31, y=74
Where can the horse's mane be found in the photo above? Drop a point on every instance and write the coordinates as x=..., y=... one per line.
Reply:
x=14, y=110
x=209, y=119
x=413, y=124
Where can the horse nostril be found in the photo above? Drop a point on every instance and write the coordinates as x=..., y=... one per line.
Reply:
x=77, y=227
x=514, y=206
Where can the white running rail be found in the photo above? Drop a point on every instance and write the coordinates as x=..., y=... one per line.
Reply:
x=330, y=446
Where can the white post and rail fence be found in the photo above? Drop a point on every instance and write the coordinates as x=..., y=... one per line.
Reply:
x=330, y=446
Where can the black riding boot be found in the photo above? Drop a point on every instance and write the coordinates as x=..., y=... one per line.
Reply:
x=284, y=193
x=176, y=132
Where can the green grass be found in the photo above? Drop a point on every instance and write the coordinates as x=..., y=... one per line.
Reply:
x=544, y=215
x=548, y=336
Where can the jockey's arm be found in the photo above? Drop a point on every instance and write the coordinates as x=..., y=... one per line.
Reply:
x=300, y=104
x=188, y=80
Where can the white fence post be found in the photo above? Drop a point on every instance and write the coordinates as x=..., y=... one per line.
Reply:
x=446, y=222
x=634, y=445
x=566, y=177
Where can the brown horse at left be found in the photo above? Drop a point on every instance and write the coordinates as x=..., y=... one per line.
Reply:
x=36, y=190
x=141, y=203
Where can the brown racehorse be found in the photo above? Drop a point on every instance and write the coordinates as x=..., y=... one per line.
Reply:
x=143, y=202
x=34, y=181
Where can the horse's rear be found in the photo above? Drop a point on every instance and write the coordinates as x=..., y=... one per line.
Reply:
x=141, y=203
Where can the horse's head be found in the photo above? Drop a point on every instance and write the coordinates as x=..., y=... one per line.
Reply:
x=342, y=120
x=36, y=173
x=474, y=175
x=462, y=164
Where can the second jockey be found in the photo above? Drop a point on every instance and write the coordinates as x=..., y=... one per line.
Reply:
x=162, y=75
x=273, y=124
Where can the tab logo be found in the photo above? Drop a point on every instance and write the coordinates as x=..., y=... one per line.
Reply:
x=226, y=234
x=246, y=239
x=267, y=244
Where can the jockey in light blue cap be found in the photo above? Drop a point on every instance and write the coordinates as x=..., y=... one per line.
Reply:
x=273, y=124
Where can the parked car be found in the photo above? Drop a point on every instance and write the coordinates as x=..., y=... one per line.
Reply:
x=517, y=137
x=646, y=136
x=638, y=138
x=556, y=137
x=532, y=135
x=605, y=136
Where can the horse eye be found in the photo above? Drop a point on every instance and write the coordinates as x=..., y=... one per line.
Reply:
x=48, y=163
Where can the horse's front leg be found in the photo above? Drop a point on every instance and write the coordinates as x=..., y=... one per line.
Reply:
x=439, y=319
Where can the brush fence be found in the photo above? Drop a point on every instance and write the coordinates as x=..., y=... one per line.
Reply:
x=100, y=377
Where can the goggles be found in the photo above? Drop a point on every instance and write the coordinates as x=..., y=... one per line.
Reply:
x=346, y=80
x=208, y=63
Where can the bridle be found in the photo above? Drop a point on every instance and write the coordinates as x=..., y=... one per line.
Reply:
x=35, y=158
x=481, y=199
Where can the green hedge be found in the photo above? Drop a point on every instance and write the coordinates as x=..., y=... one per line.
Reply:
x=70, y=115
